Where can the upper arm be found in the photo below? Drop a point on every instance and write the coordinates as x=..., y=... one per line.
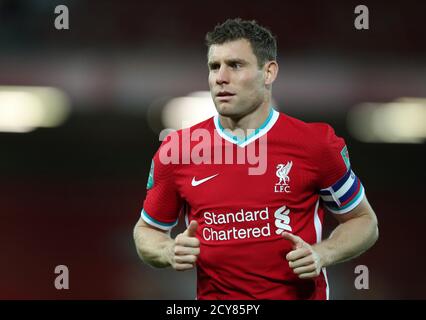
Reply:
x=340, y=189
x=363, y=209
x=163, y=201
x=141, y=225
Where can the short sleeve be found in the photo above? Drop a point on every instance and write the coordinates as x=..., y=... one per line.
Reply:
x=340, y=189
x=162, y=203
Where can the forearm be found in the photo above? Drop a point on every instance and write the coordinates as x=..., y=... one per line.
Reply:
x=348, y=240
x=153, y=247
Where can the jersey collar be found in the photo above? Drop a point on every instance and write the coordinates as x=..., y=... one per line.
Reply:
x=263, y=129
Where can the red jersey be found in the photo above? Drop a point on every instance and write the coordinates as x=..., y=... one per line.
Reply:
x=244, y=194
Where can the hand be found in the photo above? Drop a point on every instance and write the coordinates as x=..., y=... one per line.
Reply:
x=185, y=249
x=303, y=259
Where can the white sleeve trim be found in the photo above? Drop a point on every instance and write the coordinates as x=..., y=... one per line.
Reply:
x=160, y=225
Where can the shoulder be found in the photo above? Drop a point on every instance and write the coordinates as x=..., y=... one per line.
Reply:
x=170, y=134
x=207, y=124
x=174, y=142
x=314, y=132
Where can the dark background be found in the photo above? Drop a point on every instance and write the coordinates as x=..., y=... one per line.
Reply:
x=71, y=195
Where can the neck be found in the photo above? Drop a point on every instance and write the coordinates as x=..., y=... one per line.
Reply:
x=250, y=121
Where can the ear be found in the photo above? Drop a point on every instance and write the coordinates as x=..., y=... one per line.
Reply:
x=271, y=72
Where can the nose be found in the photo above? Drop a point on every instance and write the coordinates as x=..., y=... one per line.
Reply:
x=222, y=75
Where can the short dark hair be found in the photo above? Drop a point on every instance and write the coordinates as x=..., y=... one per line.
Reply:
x=263, y=43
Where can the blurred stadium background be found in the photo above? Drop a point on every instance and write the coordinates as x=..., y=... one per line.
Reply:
x=72, y=186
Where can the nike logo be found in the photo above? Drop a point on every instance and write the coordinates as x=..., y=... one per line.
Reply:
x=195, y=183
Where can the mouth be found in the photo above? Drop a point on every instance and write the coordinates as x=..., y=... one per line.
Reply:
x=224, y=95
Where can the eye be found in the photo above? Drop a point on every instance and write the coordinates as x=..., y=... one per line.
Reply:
x=214, y=66
x=236, y=65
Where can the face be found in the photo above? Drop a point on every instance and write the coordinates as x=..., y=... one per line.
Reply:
x=237, y=85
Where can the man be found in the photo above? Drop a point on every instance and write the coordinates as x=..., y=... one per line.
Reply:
x=253, y=235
